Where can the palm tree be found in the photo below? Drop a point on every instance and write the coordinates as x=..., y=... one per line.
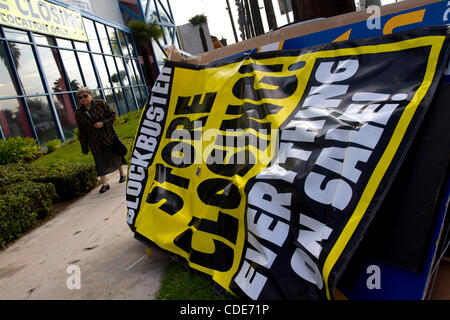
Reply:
x=143, y=34
x=15, y=52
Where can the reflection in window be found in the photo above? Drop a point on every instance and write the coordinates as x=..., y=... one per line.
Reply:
x=144, y=5
x=139, y=99
x=110, y=100
x=122, y=72
x=130, y=99
x=121, y=101
x=73, y=72
x=43, y=120
x=53, y=69
x=63, y=43
x=123, y=43
x=66, y=115
x=131, y=71
x=112, y=70
x=80, y=45
x=92, y=35
x=130, y=45
x=14, y=34
x=28, y=70
x=100, y=63
x=88, y=70
x=103, y=38
x=43, y=39
x=159, y=54
x=7, y=87
x=114, y=42
x=13, y=119
x=138, y=74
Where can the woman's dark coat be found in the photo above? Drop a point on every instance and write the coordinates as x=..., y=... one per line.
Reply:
x=90, y=137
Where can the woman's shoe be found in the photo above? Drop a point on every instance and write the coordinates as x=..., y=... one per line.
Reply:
x=122, y=179
x=104, y=188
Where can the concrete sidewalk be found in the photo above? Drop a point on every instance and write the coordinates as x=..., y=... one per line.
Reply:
x=91, y=234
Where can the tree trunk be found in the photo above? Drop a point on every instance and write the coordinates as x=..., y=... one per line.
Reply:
x=270, y=13
x=256, y=14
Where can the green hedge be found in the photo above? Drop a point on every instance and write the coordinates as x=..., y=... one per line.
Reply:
x=27, y=193
x=70, y=180
x=16, y=217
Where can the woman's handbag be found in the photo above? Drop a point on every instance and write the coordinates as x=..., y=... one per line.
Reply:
x=118, y=147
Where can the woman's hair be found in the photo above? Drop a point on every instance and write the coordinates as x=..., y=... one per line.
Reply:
x=84, y=90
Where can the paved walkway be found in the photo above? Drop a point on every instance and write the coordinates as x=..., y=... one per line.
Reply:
x=91, y=234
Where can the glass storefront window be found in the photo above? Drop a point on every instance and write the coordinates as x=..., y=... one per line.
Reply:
x=71, y=66
x=53, y=69
x=103, y=38
x=112, y=71
x=110, y=100
x=138, y=74
x=130, y=45
x=88, y=70
x=121, y=100
x=63, y=43
x=122, y=71
x=43, y=39
x=66, y=115
x=13, y=119
x=28, y=71
x=100, y=63
x=159, y=54
x=14, y=34
x=92, y=35
x=144, y=5
x=80, y=45
x=7, y=87
x=139, y=98
x=131, y=71
x=43, y=120
x=114, y=42
x=130, y=99
x=123, y=43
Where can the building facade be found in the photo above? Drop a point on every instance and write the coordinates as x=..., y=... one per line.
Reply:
x=48, y=50
x=158, y=11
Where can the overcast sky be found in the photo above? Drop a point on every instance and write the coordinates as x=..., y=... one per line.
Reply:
x=219, y=23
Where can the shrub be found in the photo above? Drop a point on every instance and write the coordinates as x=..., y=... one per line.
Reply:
x=41, y=195
x=16, y=217
x=16, y=173
x=18, y=149
x=53, y=145
x=70, y=180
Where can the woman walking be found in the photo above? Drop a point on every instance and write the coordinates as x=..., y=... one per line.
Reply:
x=96, y=133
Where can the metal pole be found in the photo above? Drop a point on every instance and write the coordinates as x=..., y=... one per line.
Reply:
x=232, y=21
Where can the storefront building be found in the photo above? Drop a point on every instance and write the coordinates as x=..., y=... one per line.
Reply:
x=158, y=11
x=48, y=50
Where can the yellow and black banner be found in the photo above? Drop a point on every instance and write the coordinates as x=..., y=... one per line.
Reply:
x=264, y=171
x=43, y=17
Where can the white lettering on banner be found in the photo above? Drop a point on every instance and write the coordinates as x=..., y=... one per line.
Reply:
x=146, y=142
x=269, y=210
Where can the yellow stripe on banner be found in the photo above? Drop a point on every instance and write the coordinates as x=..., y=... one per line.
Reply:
x=280, y=45
x=436, y=43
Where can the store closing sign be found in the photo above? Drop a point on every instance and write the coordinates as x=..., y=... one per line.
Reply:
x=264, y=171
x=42, y=17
